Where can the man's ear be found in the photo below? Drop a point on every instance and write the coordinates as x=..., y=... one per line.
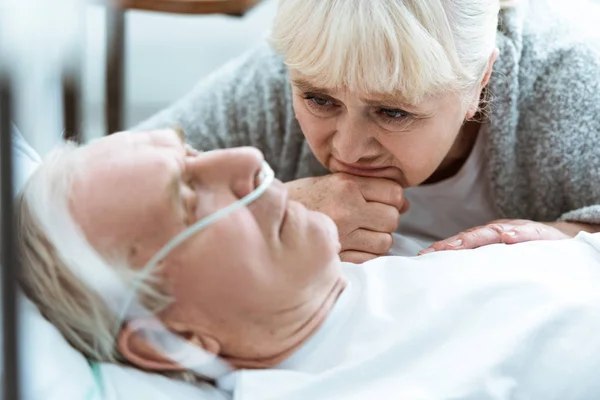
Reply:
x=134, y=347
x=474, y=105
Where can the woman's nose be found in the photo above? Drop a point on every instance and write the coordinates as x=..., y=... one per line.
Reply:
x=238, y=168
x=352, y=142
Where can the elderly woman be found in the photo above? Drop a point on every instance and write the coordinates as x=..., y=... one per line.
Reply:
x=264, y=288
x=432, y=117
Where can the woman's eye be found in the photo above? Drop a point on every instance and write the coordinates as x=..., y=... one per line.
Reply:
x=395, y=114
x=317, y=102
x=321, y=102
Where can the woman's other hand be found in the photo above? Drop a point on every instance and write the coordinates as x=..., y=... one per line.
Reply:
x=508, y=231
x=365, y=210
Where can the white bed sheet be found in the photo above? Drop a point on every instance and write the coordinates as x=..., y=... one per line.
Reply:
x=518, y=322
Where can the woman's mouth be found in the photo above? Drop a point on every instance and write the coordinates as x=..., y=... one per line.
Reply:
x=361, y=170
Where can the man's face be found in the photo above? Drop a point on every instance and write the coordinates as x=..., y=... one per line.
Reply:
x=377, y=135
x=136, y=191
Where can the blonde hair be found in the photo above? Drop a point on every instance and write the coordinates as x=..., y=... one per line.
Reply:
x=47, y=276
x=411, y=47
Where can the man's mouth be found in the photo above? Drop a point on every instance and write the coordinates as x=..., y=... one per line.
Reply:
x=283, y=217
x=285, y=204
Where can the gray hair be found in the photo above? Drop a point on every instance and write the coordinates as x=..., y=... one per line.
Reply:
x=47, y=278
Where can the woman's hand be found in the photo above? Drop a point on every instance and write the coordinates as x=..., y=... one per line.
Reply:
x=365, y=210
x=508, y=231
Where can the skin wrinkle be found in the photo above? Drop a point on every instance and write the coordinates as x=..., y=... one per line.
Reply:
x=383, y=144
x=308, y=325
x=383, y=100
x=275, y=283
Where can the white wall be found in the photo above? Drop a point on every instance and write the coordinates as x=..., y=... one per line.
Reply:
x=167, y=54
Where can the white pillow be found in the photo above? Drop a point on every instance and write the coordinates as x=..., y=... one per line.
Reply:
x=127, y=383
x=25, y=158
x=52, y=369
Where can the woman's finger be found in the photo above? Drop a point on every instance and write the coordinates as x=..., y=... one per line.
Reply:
x=356, y=257
x=502, y=231
x=472, y=239
x=532, y=231
x=363, y=240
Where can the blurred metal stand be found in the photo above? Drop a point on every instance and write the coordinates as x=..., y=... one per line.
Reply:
x=9, y=258
x=71, y=70
x=115, y=41
x=40, y=79
x=72, y=101
x=115, y=68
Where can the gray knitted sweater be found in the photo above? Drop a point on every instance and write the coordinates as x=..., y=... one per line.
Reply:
x=543, y=148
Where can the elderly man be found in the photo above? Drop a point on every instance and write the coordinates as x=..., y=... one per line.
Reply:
x=264, y=290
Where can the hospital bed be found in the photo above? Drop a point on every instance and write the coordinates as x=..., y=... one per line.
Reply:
x=115, y=44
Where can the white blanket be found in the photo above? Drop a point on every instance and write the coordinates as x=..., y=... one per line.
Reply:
x=519, y=322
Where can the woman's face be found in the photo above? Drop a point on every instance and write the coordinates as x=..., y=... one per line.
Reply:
x=136, y=191
x=372, y=135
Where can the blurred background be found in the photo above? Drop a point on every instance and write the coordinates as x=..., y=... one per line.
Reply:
x=166, y=54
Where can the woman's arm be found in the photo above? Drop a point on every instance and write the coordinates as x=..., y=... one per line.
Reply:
x=572, y=139
x=573, y=228
x=511, y=232
x=560, y=154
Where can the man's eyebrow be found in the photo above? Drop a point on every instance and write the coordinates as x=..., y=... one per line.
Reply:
x=174, y=186
x=180, y=133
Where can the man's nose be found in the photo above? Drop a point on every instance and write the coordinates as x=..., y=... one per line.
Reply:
x=352, y=142
x=238, y=168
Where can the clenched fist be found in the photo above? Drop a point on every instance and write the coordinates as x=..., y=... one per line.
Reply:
x=365, y=210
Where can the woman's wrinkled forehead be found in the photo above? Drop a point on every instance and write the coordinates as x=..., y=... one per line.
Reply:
x=424, y=105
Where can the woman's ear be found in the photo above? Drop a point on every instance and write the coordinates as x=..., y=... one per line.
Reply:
x=134, y=347
x=490, y=68
x=474, y=105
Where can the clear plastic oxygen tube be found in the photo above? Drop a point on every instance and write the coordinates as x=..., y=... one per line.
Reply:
x=177, y=349
x=265, y=178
